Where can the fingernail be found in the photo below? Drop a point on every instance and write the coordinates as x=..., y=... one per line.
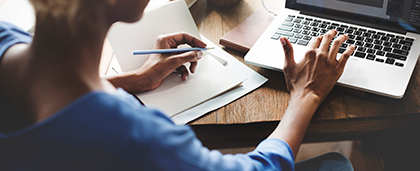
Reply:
x=199, y=54
x=186, y=77
x=283, y=41
x=192, y=70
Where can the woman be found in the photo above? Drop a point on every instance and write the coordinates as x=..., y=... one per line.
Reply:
x=58, y=114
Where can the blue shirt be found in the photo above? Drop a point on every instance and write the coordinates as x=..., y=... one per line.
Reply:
x=115, y=132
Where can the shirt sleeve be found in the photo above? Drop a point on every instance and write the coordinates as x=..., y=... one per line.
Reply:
x=177, y=148
x=11, y=35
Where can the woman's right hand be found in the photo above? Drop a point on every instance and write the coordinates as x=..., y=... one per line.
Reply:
x=319, y=70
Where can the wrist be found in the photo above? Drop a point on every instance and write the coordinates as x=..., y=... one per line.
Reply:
x=308, y=98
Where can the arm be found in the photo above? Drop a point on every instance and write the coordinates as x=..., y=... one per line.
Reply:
x=159, y=66
x=309, y=82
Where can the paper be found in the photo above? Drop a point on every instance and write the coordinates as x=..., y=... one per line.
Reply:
x=253, y=81
x=167, y=19
x=174, y=95
x=19, y=13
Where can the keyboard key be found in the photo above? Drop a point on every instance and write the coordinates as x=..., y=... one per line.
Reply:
x=305, y=32
x=335, y=24
x=358, y=33
x=326, y=22
x=376, y=36
x=380, y=33
x=331, y=27
x=370, y=56
x=323, y=31
x=359, y=43
x=369, y=40
x=400, y=52
x=298, y=26
x=314, y=24
x=406, y=42
x=275, y=36
x=300, y=17
x=288, y=19
x=354, y=28
x=284, y=33
x=387, y=49
x=385, y=38
x=377, y=47
x=302, y=42
x=345, y=26
x=297, y=20
x=306, y=22
x=285, y=28
x=399, y=64
x=317, y=20
x=360, y=38
x=378, y=42
x=390, y=61
x=292, y=40
x=350, y=41
x=341, y=50
x=299, y=36
x=387, y=44
x=390, y=35
x=307, y=38
x=361, y=49
x=314, y=34
x=372, y=51
x=349, y=31
x=371, y=31
x=409, y=39
x=306, y=27
x=380, y=53
x=323, y=26
x=367, y=34
x=344, y=45
x=399, y=37
x=360, y=54
x=340, y=29
x=393, y=40
x=392, y=55
x=397, y=46
x=292, y=16
x=361, y=29
x=297, y=30
x=315, y=29
x=289, y=24
x=368, y=45
x=351, y=36
x=309, y=19
x=379, y=60
x=407, y=48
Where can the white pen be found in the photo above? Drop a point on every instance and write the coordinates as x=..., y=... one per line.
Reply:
x=144, y=52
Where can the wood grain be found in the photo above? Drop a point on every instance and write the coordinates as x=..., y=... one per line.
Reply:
x=344, y=114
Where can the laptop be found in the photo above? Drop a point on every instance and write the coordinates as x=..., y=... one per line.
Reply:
x=385, y=33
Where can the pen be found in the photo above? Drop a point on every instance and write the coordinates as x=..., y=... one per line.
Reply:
x=144, y=52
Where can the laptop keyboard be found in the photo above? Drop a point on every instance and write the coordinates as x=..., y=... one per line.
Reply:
x=370, y=44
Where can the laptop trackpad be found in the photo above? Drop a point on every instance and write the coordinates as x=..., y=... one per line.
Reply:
x=348, y=70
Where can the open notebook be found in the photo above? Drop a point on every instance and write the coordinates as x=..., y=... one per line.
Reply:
x=174, y=95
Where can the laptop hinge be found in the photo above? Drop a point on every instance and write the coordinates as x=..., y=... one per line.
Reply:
x=376, y=26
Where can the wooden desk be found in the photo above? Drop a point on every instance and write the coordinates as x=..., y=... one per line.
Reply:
x=248, y=120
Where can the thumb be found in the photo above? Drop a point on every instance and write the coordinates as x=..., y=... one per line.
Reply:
x=288, y=53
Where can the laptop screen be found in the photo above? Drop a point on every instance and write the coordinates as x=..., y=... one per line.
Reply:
x=400, y=14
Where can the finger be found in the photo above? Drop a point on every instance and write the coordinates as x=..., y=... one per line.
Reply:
x=315, y=42
x=191, y=56
x=326, y=40
x=335, y=47
x=193, y=66
x=184, y=38
x=345, y=56
x=183, y=71
x=289, y=60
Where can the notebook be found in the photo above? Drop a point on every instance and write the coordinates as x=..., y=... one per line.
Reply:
x=385, y=33
x=173, y=96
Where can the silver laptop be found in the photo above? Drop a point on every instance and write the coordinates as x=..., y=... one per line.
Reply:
x=385, y=33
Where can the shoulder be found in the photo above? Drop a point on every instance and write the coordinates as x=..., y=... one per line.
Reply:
x=11, y=35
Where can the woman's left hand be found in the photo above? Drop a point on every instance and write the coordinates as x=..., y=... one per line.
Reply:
x=158, y=66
